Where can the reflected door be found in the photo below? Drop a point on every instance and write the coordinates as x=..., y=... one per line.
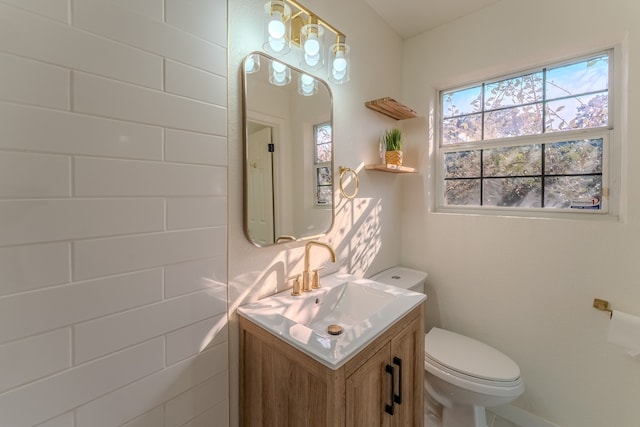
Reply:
x=260, y=190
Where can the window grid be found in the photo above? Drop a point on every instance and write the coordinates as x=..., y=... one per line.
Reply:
x=322, y=141
x=548, y=132
x=542, y=176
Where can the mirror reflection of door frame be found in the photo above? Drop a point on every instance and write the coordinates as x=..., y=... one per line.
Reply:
x=260, y=199
x=281, y=186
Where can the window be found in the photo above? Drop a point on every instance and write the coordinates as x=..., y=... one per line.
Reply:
x=537, y=140
x=322, y=137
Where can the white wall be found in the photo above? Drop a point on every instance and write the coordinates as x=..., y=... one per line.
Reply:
x=363, y=224
x=526, y=286
x=113, y=222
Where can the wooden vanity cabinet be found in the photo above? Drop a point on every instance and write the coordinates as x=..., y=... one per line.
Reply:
x=281, y=386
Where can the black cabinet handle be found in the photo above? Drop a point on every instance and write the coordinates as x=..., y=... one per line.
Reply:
x=398, y=397
x=389, y=409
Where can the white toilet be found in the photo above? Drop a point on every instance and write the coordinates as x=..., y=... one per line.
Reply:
x=461, y=374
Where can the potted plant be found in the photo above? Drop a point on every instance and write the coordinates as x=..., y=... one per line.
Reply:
x=393, y=146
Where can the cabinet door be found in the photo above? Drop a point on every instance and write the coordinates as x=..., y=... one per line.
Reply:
x=407, y=358
x=368, y=390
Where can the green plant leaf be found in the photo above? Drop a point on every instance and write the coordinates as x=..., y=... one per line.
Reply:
x=393, y=139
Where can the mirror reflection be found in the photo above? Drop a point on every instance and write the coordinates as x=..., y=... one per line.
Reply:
x=288, y=147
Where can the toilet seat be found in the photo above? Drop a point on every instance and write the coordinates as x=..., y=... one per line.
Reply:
x=473, y=364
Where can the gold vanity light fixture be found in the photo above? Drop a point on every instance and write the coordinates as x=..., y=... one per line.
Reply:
x=312, y=45
x=277, y=22
x=340, y=62
x=288, y=22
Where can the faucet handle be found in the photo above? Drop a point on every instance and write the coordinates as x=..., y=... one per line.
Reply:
x=296, y=289
x=315, y=280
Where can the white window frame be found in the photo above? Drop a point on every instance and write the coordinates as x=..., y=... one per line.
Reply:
x=612, y=164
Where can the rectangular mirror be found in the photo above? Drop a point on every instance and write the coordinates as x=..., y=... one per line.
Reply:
x=288, y=152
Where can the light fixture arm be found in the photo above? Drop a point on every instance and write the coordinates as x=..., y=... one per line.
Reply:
x=340, y=39
x=312, y=15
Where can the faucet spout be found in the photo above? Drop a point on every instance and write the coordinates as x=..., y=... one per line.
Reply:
x=307, y=262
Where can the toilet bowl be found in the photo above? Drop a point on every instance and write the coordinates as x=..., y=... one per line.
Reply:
x=462, y=375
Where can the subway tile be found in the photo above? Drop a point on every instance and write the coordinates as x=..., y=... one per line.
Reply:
x=190, y=147
x=210, y=273
x=68, y=304
x=55, y=9
x=196, y=401
x=217, y=416
x=64, y=420
x=29, y=221
x=70, y=133
x=26, y=175
x=108, y=177
x=153, y=9
x=117, y=23
x=108, y=334
x=100, y=257
x=193, y=83
x=33, y=82
x=42, y=400
x=193, y=212
x=16, y=267
x=206, y=19
x=193, y=339
x=129, y=402
x=108, y=98
x=152, y=418
x=27, y=35
x=34, y=358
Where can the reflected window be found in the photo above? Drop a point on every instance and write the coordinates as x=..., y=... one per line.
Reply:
x=322, y=140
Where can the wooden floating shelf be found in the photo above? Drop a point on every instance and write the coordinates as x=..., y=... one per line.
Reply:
x=391, y=168
x=392, y=108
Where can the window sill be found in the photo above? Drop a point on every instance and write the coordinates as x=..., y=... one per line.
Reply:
x=529, y=214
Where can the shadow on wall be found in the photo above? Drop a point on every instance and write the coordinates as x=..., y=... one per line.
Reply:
x=361, y=248
x=431, y=308
x=255, y=285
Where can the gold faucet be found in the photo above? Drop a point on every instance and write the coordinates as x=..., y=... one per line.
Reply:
x=306, y=273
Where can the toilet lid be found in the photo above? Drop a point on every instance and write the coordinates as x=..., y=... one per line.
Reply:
x=468, y=356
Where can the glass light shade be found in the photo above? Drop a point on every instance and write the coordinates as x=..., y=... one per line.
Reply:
x=307, y=85
x=279, y=74
x=277, y=20
x=312, y=44
x=252, y=64
x=339, y=63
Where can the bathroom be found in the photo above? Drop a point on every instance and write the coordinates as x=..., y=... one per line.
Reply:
x=122, y=251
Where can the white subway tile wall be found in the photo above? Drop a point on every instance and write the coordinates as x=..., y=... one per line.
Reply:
x=33, y=82
x=113, y=213
x=189, y=147
x=63, y=132
x=16, y=266
x=64, y=420
x=129, y=401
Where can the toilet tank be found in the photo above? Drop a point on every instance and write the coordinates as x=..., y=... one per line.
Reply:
x=403, y=277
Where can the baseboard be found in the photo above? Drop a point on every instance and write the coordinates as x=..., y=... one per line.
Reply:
x=521, y=417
